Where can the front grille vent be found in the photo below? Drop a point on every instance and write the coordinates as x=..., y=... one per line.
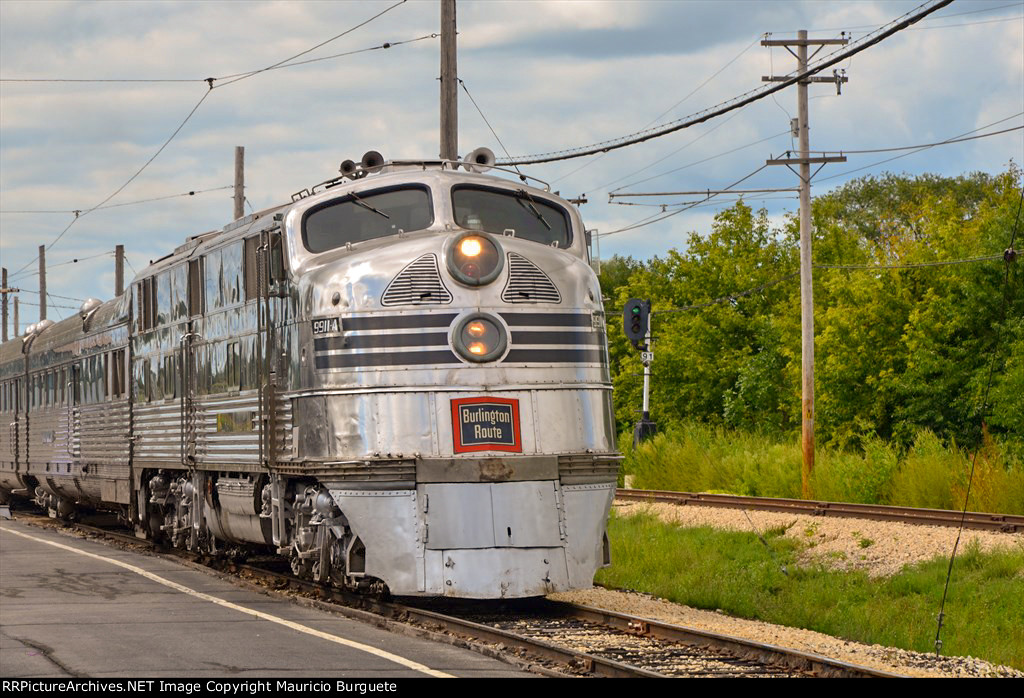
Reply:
x=418, y=284
x=527, y=283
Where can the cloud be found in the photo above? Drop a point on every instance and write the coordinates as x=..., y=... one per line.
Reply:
x=547, y=76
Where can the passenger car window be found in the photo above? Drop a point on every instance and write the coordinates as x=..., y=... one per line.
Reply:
x=498, y=210
x=366, y=216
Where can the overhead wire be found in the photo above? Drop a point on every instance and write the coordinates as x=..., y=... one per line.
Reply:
x=918, y=149
x=210, y=89
x=732, y=297
x=481, y=113
x=27, y=274
x=377, y=47
x=925, y=145
x=662, y=115
x=54, y=295
x=955, y=139
x=281, y=63
x=127, y=203
x=648, y=220
x=130, y=179
x=929, y=19
x=918, y=265
x=696, y=162
x=739, y=101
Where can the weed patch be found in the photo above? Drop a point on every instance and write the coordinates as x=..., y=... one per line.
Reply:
x=732, y=571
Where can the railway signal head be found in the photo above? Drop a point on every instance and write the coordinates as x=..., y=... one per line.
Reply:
x=636, y=318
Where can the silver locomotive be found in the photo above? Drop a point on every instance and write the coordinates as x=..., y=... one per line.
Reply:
x=400, y=378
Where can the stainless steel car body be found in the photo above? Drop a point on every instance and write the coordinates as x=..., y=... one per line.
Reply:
x=323, y=404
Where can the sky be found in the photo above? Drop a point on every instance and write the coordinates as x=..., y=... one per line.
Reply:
x=544, y=75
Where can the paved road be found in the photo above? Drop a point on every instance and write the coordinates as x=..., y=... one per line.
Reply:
x=85, y=609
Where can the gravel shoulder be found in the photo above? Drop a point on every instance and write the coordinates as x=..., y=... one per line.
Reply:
x=839, y=543
x=879, y=548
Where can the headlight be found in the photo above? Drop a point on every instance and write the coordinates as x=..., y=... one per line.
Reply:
x=480, y=338
x=474, y=259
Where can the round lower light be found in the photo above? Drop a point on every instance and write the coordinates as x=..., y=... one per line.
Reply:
x=471, y=247
x=474, y=259
x=480, y=338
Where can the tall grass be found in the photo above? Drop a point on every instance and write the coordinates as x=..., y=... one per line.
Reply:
x=702, y=458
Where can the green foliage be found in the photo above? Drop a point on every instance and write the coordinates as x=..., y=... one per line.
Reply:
x=731, y=571
x=863, y=476
x=927, y=474
x=700, y=458
x=896, y=351
x=696, y=457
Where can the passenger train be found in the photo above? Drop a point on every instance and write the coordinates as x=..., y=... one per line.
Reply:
x=398, y=381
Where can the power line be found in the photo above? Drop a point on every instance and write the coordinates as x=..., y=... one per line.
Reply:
x=286, y=64
x=385, y=45
x=51, y=295
x=48, y=305
x=480, y=112
x=926, y=145
x=970, y=24
x=705, y=202
x=660, y=116
x=685, y=207
x=76, y=260
x=127, y=203
x=989, y=258
x=206, y=94
x=921, y=148
x=930, y=19
x=732, y=297
x=130, y=179
x=647, y=221
x=737, y=102
x=955, y=139
x=281, y=63
x=695, y=163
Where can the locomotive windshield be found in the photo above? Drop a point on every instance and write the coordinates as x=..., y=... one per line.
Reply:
x=498, y=210
x=366, y=216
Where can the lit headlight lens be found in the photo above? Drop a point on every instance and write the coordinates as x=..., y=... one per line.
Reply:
x=480, y=338
x=474, y=259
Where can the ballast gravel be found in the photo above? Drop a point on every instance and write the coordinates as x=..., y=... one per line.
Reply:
x=879, y=548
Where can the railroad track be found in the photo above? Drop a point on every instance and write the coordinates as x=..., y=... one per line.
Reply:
x=547, y=637
x=1005, y=523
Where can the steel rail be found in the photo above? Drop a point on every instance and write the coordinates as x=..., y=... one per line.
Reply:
x=759, y=652
x=1005, y=523
x=512, y=647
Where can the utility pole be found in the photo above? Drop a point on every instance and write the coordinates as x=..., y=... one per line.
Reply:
x=806, y=282
x=118, y=270
x=449, y=84
x=42, y=282
x=239, y=181
x=4, y=292
x=16, y=328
